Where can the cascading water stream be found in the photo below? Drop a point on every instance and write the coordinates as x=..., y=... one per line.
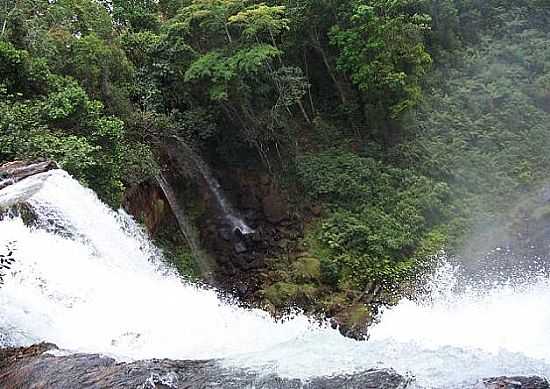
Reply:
x=205, y=263
x=231, y=215
x=87, y=279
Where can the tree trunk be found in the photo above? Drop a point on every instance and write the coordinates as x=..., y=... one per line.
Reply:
x=304, y=113
x=228, y=34
x=308, y=84
x=319, y=48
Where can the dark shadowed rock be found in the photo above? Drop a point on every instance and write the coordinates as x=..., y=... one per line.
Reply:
x=275, y=207
x=240, y=248
x=28, y=368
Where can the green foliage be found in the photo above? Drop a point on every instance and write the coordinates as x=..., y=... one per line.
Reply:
x=485, y=129
x=20, y=73
x=74, y=38
x=183, y=259
x=381, y=47
x=61, y=123
x=139, y=15
x=279, y=82
x=261, y=19
x=379, y=216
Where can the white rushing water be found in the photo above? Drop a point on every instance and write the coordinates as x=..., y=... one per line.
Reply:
x=87, y=279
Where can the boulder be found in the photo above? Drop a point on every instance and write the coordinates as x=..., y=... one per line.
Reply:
x=275, y=207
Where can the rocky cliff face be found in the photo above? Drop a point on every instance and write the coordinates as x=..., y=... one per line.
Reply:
x=147, y=203
x=240, y=257
x=270, y=267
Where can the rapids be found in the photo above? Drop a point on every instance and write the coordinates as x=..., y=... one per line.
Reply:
x=87, y=279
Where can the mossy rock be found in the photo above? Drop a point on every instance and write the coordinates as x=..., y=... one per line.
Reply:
x=284, y=294
x=354, y=321
x=306, y=269
x=308, y=291
x=359, y=315
x=281, y=293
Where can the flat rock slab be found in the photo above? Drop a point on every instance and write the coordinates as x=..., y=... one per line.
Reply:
x=27, y=368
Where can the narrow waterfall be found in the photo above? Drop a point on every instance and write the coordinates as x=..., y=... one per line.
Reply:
x=231, y=215
x=204, y=261
x=88, y=279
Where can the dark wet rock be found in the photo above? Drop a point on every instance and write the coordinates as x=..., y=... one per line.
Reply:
x=353, y=321
x=240, y=248
x=23, y=210
x=275, y=207
x=13, y=172
x=514, y=383
x=250, y=201
x=29, y=368
x=226, y=234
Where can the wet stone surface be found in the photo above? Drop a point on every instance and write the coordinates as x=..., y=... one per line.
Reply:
x=28, y=368
x=38, y=367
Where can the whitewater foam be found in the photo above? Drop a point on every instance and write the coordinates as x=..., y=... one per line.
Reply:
x=88, y=279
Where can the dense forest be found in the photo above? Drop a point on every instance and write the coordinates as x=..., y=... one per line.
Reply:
x=392, y=128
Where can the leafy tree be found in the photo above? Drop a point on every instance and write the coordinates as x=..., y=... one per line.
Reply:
x=382, y=48
x=138, y=15
x=236, y=61
x=45, y=115
x=381, y=217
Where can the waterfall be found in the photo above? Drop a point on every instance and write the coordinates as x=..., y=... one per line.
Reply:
x=88, y=279
x=205, y=263
x=13, y=194
x=231, y=215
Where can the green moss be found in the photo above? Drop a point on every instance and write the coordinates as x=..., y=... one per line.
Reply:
x=359, y=315
x=309, y=291
x=306, y=269
x=176, y=252
x=184, y=261
x=281, y=293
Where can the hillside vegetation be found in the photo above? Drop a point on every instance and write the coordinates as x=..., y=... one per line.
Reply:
x=408, y=122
